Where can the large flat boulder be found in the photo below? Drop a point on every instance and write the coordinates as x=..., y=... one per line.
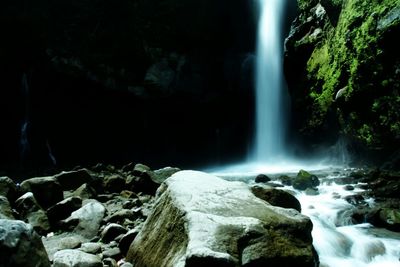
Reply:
x=202, y=220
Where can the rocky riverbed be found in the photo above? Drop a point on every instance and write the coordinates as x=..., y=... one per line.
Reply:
x=91, y=216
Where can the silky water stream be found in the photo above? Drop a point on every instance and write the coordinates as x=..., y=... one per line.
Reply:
x=339, y=242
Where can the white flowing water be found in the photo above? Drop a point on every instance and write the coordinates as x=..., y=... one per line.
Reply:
x=338, y=242
x=269, y=132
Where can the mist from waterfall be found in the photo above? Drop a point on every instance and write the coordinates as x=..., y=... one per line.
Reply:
x=270, y=119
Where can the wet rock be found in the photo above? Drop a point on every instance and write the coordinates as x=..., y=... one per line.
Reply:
x=86, y=221
x=8, y=188
x=348, y=187
x=127, y=240
x=305, y=180
x=75, y=258
x=111, y=231
x=91, y=247
x=344, y=180
x=85, y=191
x=20, y=246
x=202, y=220
x=126, y=264
x=63, y=209
x=286, y=180
x=374, y=248
x=73, y=179
x=355, y=200
x=262, y=178
x=311, y=192
x=5, y=208
x=390, y=219
x=47, y=190
x=277, y=197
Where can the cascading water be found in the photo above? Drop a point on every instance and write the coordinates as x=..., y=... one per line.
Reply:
x=269, y=134
x=24, y=143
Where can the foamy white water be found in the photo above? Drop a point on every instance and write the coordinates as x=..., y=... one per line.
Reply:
x=337, y=241
x=269, y=134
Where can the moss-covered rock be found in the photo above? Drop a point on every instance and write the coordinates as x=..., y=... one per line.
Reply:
x=350, y=72
x=305, y=180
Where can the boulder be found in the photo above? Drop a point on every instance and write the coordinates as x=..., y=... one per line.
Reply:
x=5, y=208
x=85, y=191
x=114, y=183
x=91, y=247
x=277, y=197
x=127, y=240
x=86, y=221
x=73, y=179
x=121, y=215
x=75, y=258
x=39, y=221
x=286, y=180
x=111, y=231
x=305, y=180
x=26, y=204
x=262, y=178
x=161, y=175
x=8, y=188
x=47, y=190
x=390, y=219
x=202, y=220
x=63, y=209
x=20, y=246
x=54, y=243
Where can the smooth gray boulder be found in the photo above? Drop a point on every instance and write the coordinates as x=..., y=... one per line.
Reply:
x=87, y=220
x=75, y=258
x=202, y=220
x=20, y=246
x=5, y=208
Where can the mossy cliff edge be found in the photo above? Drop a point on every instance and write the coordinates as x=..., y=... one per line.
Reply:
x=343, y=68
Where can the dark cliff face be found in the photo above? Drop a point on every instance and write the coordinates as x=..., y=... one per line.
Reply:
x=165, y=82
x=342, y=67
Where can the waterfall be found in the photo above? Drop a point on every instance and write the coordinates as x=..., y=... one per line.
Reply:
x=269, y=132
x=24, y=142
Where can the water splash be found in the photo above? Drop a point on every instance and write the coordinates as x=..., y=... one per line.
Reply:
x=270, y=125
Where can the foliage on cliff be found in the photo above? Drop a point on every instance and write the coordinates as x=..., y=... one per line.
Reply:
x=352, y=67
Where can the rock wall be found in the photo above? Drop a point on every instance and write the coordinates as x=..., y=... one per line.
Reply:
x=342, y=67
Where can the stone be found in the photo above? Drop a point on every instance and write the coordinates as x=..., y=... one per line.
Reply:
x=121, y=215
x=85, y=191
x=202, y=220
x=311, y=192
x=390, y=218
x=5, y=209
x=161, y=175
x=75, y=258
x=63, y=209
x=286, y=180
x=91, y=247
x=47, y=190
x=127, y=240
x=277, y=197
x=114, y=183
x=39, y=221
x=87, y=219
x=21, y=246
x=305, y=180
x=355, y=199
x=110, y=262
x=54, y=243
x=113, y=253
x=126, y=264
x=348, y=187
x=71, y=180
x=26, y=204
x=8, y=188
x=111, y=231
x=262, y=178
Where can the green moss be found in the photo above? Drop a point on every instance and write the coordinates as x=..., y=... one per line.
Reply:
x=350, y=55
